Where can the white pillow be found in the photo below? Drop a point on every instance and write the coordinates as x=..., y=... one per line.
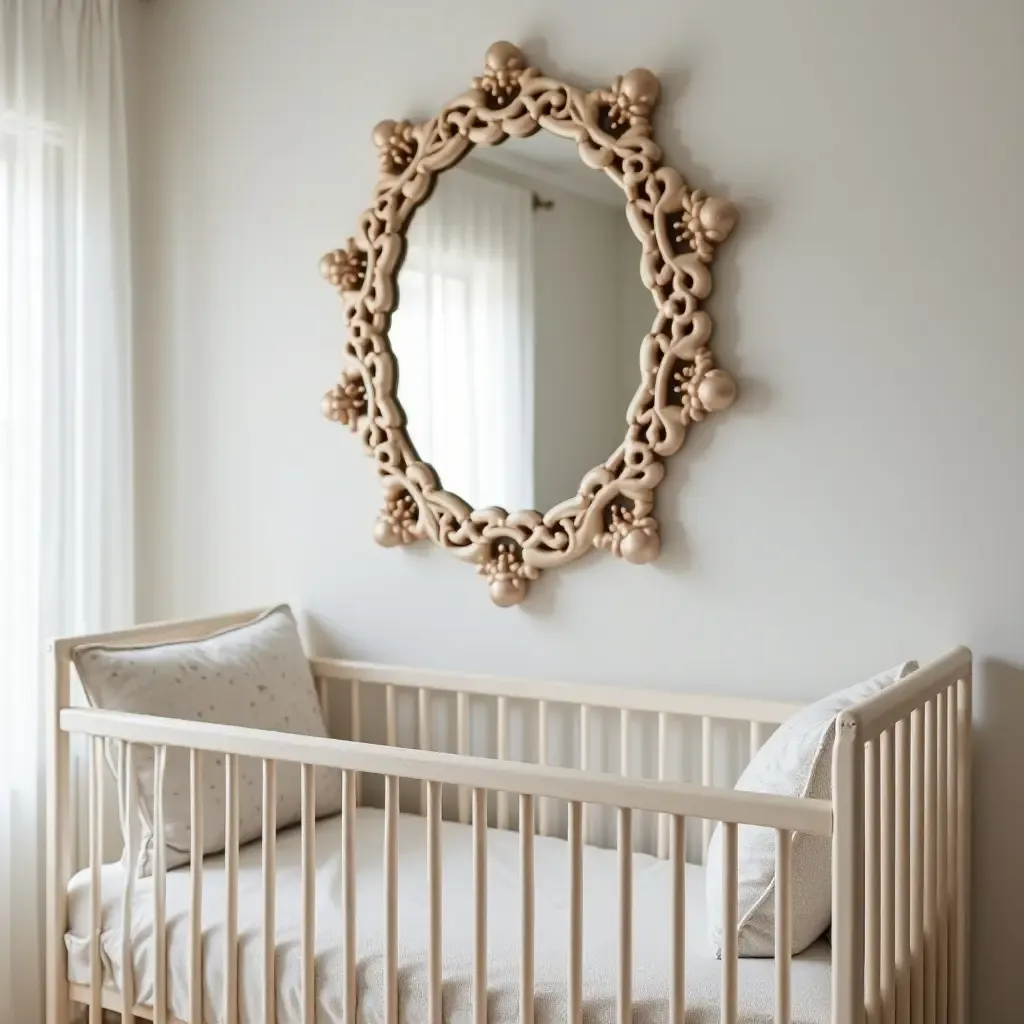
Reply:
x=796, y=760
x=256, y=674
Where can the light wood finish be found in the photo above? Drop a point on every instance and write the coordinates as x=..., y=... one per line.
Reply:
x=585, y=760
x=730, y=923
x=754, y=741
x=941, y=907
x=526, y=869
x=479, y=906
x=930, y=850
x=423, y=733
x=612, y=698
x=348, y=882
x=887, y=867
x=160, y=889
x=575, y=976
x=323, y=695
x=308, y=874
x=663, y=819
x=952, y=838
x=391, y=899
x=794, y=813
x=502, y=795
x=848, y=873
x=356, y=711
x=783, y=926
x=707, y=774
x=59, y=838
x=903, y=881
x=231, y=888
x=899, y=797
x=872, y=884
x=462, y=747
x=543, y=806
x=677, y=853
x=95, y=889
x=195, y=915
x=391, y=715
x=129, y=815
x=917, y=843
x=269, y=923
x=434, y=881
x=625, y=847
x=963, y=851
x=511, y=99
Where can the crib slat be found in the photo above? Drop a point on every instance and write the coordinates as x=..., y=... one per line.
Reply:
x=423, y=702
x=391, y=898
x=625, y=844
x=195, y=916
x=872, y=883
x=754, y=741
x=269, y=891
x=348, y=877
x=575, y=993
x=527, y=908
x=952, y=833
x=462, y=728
x=707, y=776
x=356, y=724
x=542, y=758
x=129, y=823
x=585, y=759
x=963, y=850
x=783, y=925
x=480, y=906
x=917, y=867
x=663, y=819
x=323, y=695
x=502, y=797
x=231, y=881
x=941, y=905
x=308, y=841
x=677, y=1007
x=931, y=843
x=159, y=889
x=434, y=876
x=95, y=879
x=391, y=714
x=730, y=922
x=903, y=816
x=887, y=949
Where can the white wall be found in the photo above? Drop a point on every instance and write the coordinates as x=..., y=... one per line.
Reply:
x=861, y=504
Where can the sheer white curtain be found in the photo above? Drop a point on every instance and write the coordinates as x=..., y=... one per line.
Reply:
x=65, y=407
x=463, y=333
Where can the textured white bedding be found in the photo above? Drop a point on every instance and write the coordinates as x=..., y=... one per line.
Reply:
x=811, y=970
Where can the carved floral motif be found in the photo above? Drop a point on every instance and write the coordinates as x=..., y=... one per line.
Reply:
x=678, y=231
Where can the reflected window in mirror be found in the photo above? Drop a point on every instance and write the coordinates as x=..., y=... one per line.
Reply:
x=519, y=324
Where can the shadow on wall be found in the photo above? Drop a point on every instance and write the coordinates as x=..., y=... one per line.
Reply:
x=998, y=895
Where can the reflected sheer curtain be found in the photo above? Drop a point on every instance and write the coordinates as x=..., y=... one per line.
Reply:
x=463, y=332
x=65, y=408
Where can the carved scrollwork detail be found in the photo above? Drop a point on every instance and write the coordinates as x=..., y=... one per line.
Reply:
x=678, y=230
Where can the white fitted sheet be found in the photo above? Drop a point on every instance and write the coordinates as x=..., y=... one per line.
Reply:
x=810, y=979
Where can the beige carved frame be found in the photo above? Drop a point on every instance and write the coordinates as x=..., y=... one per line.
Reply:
x=678, y=229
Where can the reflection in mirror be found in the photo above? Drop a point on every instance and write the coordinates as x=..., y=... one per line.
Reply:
x=519, y=323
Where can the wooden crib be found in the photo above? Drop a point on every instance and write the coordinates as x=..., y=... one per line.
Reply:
x=899, y=822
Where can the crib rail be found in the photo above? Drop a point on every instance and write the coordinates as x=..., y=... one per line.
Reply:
x=528, y=782
x=901, y=849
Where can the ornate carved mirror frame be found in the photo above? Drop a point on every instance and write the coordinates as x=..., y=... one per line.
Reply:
x=677, y=228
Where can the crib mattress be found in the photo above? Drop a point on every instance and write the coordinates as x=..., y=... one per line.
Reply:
x=810, y=976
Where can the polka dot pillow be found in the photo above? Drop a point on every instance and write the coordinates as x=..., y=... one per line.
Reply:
x=255, y=675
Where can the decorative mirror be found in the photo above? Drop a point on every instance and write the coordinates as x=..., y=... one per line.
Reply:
x=531, y=274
